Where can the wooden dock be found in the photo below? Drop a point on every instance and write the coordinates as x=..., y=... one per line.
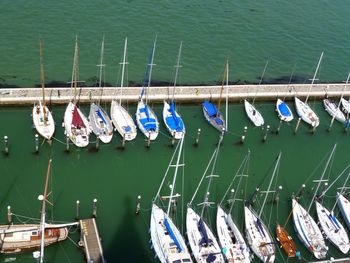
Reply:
x=92, y=242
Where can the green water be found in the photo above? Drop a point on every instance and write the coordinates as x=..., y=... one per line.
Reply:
x=117, y=177
x=289, y=34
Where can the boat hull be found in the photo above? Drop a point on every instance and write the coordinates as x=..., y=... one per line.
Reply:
x=27, y=238
x=344, y=206
x=345, y=105
x=78, y=135
x=100, y=123
x=286, y=241
x=334, y=111
x=308, y=232
x=231, y=240
x=45, y=129
x=148, y=125
x=253, y=114
x=174, y=124
x=283, y=111
x=306, y=113
x=217, y=120
x=203, y=251
x=123, y=122
x=164, y=245
x=258, y=236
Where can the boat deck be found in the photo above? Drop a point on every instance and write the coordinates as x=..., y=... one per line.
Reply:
x=92, y=242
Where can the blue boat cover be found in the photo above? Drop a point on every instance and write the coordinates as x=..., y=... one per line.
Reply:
x=171, y=234
x=218, y=121
x=334, y=221
x=284, y=109
x=149, y=124
x=260, y=227
x=210, y=108
x=99, y=114
x=127, y=128
x=205, y=241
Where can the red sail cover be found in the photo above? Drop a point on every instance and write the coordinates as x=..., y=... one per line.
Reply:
x=77, y=120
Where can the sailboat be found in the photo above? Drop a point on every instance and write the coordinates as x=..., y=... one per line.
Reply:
x=99, y=120
x=121, y=119
x=303, y=109
x=203, y=243
x=334, y=110
x=19, y=238
x=231, y=240
x=145, y=117
x=76, y=125
x=344, y=207
x=253, y=114
x=212, y=112
x=258, y=235
x=283, y=111
x=42, y=116
x=166, y=238
x=171, y=118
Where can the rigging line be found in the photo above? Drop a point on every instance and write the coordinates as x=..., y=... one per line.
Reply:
x=313, y=79
x=290, y=80
x=124, y=63
x=212, y=172
x=151, y=68
x=261, y=78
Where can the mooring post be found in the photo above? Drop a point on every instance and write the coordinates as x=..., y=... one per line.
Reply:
x=197, y=138
x=67, y=143
x=173, y=139
x=97, y=142
x=6, y=145
x=149, y=140
x=277, y=196
x=36, y=143
x=94, y=208
x=138, y=205
x=266, y=132
x=330, y=125
x=77, y=210
x=9, y=214
x=313, y=129
x=123, y=141
x=279, y=127
x=245, y=129
x=297, y=126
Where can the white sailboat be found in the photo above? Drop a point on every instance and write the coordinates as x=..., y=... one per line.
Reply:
x=334, y=110
x=121, y=119
x=212, y=112
x=76, y=125
x=203, y=243
x=99, y=120
x=166, y=238
x=258, y=235
x=171, y=118
x=19, y=238
x=303, y=109
x=231, y=240
x=42, y=116
x=145, y=117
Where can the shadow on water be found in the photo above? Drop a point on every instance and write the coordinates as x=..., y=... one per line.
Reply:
x=126, y=239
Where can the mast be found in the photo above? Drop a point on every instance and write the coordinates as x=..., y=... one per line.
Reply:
x=323, y=173
x=101, y=65
x=123, y=70
x=226, y=112
x=177, y=70
x=42, y=79
x=151, y=67
x=313, y=79
x=222, y=88
x=43, y=213
x=268, y=189
x=261, y=78
x=175, y=174
x=75, y=71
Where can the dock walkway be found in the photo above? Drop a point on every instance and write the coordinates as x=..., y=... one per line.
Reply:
x=92, y=243
x=183, y=94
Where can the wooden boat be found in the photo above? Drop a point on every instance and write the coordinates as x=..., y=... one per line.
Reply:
x=121, y=118
x=253, y=114
x=172, y=119
x=283, y=111
x=212, y=112
x=76, y=125
x=166, y=238
x=333, y=110
x=42, y=117
x=18, y=238
x=303, y=109
x=203, y=243
x=99, y=120
x=285, y=241
x=145, y=117
x=231, y=240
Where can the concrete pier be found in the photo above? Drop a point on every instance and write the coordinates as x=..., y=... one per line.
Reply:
x=183, y=94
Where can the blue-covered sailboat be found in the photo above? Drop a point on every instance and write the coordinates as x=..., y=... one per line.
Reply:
x=283, y=111
x=212, y=112
x=171, y=118
x=145, y=117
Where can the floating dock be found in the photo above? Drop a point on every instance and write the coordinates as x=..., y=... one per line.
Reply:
x=92, y=242
x=183, y=94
